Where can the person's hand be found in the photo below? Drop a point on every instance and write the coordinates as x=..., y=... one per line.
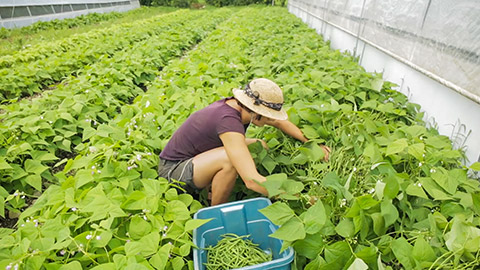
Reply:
x=326, y=151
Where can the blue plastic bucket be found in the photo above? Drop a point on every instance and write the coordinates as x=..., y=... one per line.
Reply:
x=240, y=218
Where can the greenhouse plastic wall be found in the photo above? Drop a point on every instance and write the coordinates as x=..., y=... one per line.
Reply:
x=19, y=13
x=430, y=49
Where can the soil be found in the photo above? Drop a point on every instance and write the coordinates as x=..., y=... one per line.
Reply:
x=8, y=222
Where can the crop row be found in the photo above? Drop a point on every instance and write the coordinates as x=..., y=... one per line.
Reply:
x=30, y=71
x=37, y=133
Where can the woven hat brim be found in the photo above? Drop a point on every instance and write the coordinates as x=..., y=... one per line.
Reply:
x=248, y=102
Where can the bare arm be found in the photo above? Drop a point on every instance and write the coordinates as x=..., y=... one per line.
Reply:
x=292, y=130
x=237, y=151
x=288, y=128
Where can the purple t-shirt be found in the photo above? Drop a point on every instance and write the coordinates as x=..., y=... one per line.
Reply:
x=201, y=131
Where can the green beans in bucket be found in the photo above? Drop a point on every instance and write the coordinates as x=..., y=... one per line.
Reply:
x=234, y=251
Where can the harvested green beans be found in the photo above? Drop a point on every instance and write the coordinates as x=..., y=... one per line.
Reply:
x=234, y=251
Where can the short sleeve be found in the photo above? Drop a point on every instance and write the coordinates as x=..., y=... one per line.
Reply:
x=230, y=123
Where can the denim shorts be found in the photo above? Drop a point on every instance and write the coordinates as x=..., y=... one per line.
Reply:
x=180, y=170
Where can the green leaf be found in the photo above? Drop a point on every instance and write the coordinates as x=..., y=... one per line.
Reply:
x=358, y=264
x=345, y=228
x=105, y=266
x=310, y=132
x=433, y=189
x=176, y=210
x=396, y=147
x=475, y=166
x=195, y=223
x=337, y=255
x=422, y=251
x=139, y=227
x=391, y=188
x=177, y=263
x=378, y=224
x=278, y=213
x=159, y=260
x=310, y=246
x=35, y=181
x=71, y=266
x=376, y=84
x=4, y=164
x=133, y=248
x=34, y=166
x=315, y=218
x=403, y=252
x=149, y=243
x=291, y=230
x=366, y=201
x=415, y=190
x=389, y=212
x=417, y=150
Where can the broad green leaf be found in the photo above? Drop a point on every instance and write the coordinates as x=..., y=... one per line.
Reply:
x=441, y=177
x=366, y=201
x=75, y=265
x=391, y=187
x=311, y=246
x=278, y=213
x=403, y=252
x=310, y=132
x=195, y=223
x=149, y=243
x=377, y=84
x=291, y=230
x=177, y=263
x=422, y=251
x=475, y=166
x=4, y=164
x=396, y=147
x=315, y=218
x=176, y=210
x=35, y=181
x=159, y=260
x=337, y=254
x=83, y=177
x=105, y=266
x=133, y=248
x=345, y=228
x=378, y=224
x=139, y=227
x=433, y=189
x=414, y=189
x=34, y=166
x=35, y=262
x=389, y=212
x=358, y=264
x=417, y=150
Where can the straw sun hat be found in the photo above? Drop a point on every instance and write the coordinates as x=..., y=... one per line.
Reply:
x=264, y=97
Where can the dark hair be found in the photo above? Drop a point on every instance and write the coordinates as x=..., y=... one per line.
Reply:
x=243, y=106
x=259, y=116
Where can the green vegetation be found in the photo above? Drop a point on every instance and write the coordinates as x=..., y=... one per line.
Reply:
x=79, y=162
x=18, y=39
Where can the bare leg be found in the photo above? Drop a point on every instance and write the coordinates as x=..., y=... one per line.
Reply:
x=214, y=167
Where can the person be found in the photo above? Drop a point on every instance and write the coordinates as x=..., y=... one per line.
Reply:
x=210, y=148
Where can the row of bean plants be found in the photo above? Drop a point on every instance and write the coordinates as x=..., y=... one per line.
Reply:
x=81, y=20
x=32, y=70
x=37, y=134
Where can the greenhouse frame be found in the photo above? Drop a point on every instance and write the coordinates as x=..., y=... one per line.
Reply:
x=430, y=49
x=19, y=13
